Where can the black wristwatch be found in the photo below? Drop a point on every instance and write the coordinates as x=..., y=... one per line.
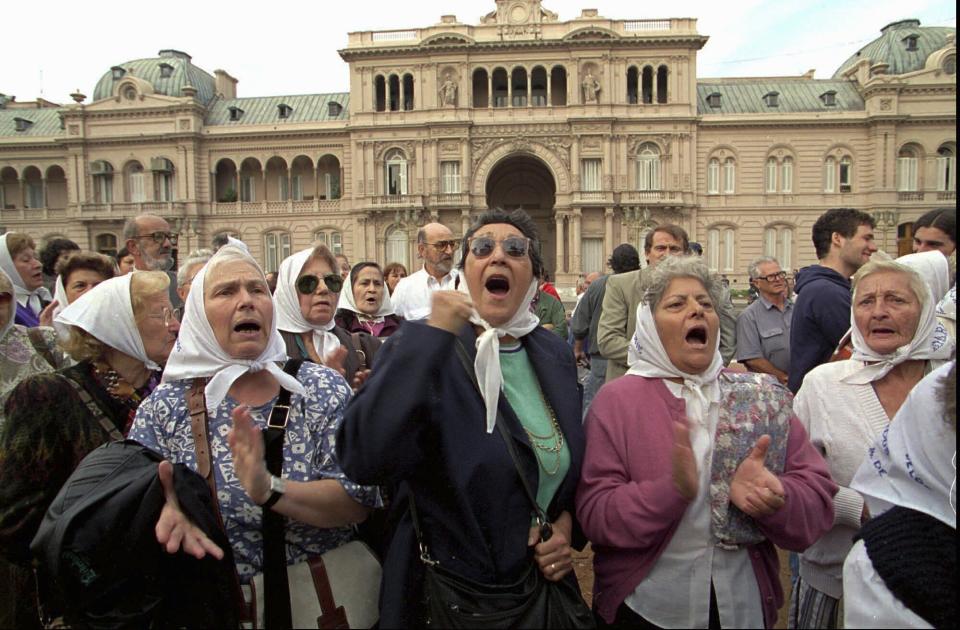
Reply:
x=278, y=485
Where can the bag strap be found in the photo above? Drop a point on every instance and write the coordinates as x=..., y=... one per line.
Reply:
x=276, y=596
x=358, y=348
x=105, y=423
x=39, y=344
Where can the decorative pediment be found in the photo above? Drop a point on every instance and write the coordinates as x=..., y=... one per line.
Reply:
x=447, y=39
x=590, y=33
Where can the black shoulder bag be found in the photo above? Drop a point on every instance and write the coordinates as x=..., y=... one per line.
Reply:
x=453, y=601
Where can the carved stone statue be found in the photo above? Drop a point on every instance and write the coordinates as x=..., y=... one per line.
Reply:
x=591, y=88
x=448, y=91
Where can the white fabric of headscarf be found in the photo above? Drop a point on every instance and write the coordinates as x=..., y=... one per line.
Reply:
x=6, y=282
x=348, y=302
x=60, y=297
x=913, y=462
x=930, y=343
x=933, y=268
x=487, y=363
x=198, y=354
x=106, y=313
x=647, y=357
x=948, y=305
x=235, y=242
x=289, y=317
x=21, y=293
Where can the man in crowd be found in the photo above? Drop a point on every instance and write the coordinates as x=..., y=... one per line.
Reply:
x=843, y=239
x=344, y=264
x=936, y=229
x=763, y=328
x=586, y=318
x=150, y=242
x=436, y=246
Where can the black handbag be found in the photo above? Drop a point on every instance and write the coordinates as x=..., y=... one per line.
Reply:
x=454, y=601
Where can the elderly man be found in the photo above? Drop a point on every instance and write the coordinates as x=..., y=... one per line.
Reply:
x=436, y=246
x=150, y=241
x=763, y=328
x=624, y=292
x=187, y=272
x=344, y=263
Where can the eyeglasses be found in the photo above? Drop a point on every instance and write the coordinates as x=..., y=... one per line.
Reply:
x=513, y=246
x=160, y=237
x=167, y=315
x=443, y=245
x=773, y=277
x=307, y=285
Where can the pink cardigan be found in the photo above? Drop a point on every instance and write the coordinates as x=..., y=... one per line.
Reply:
x=628, y=506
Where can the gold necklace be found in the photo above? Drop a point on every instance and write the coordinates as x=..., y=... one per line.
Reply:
x=551, y=443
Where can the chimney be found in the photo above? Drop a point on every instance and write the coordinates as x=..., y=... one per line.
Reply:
x=226, y=85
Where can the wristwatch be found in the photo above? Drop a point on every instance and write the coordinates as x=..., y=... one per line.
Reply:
x=278, y=485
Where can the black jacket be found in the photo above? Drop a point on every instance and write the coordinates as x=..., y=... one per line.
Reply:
x=821, y=316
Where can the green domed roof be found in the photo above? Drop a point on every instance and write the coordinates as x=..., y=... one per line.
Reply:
x=891, y=47
x=174, y=64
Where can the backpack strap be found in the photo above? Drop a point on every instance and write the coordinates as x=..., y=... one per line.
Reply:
x=39, y=344
x=105, y=423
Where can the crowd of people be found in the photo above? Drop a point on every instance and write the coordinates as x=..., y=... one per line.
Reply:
x=474, y=436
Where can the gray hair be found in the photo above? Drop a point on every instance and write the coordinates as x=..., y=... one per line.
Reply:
x=752, y=269
x=877, y=265
x=131, y=226
x=199, y=257
x=674, y=267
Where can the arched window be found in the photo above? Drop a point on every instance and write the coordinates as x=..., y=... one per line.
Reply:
x=946, y=168
x=380, y=93
x=648, y=167
x=499, y=87
x=162, y=179
x=829, y=175
x=662, y=84
x=276, y=247
x=908, y=160
x=646, y=88
x=558, y=87
x=397, y=247
x=770, y=179
x=633, y=85
x=408, y=92
x=393, y=97
x=786, y=175
x=729, y=176
x=102, y=172
x=33, y=180
x=713, y=176
x=106, y=244
x=538, y=86
x=518, y=87
x=395, y=166
x=134, y=179
x=778, y=242
x=721, y=253
x=333, y=239
x=481, y=97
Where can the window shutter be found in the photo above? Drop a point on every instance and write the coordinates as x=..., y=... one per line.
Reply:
x=713, y=177
x=729, y=176
x=136, y=188
x=829, y=175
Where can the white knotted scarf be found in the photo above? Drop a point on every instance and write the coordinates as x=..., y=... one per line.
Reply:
x=348, y=301
x=6, y=286
x=933, y=268
x=198, y=354
x=487, y=363
x=21, y=294
x=289, y=317
x=930, y=343
x=913, y=462
x=106, y=313
x=647, y=357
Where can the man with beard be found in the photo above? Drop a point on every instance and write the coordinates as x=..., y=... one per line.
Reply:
x=150, y=241
x=436, y=247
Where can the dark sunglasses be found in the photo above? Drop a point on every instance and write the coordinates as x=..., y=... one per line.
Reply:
x=513, y=246
x=308, y=284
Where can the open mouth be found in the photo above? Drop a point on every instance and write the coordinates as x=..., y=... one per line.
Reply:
x=247, y=327
x=883, y=331
x=697, y=336
x=497, y=285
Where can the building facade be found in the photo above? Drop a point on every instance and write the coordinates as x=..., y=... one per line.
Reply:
x=599, y=128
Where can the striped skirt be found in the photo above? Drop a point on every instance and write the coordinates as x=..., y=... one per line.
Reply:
x=809, y=608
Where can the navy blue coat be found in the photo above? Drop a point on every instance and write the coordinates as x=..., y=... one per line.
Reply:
x=418, y=425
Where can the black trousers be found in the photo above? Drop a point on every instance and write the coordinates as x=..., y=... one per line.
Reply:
x=627, y=619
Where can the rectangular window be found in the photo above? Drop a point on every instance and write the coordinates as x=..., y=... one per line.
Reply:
x=907, y=174
x=450, y=177
x=590, y=174
x=846, y=175
x=297, y=184
x=771, y=176
x=592, y=255
x=397, y=247
x=648, y=173
x=277, y=246
x=786, y=248
x=729, y=251
x=248, y=189
x=164, y=187
x=786, y=184
x=283, y=188
x=713, y=177
x=397, y=179
x=946, y=178
x=829, y=176
x=34, y=195
x=137, y=194
x=336, y=243
x=713, y=249
x=105, y=189
x=729, y=177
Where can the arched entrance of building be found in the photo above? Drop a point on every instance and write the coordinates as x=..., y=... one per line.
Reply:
x=521, y=180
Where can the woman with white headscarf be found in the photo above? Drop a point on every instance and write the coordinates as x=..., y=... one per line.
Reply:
x=18, y=259
x=845, y=405
x=229, y=349
x=121, y=332
x=425, y=423
x=365, y=306
x=693, y=473
x=902, y=571
x=308, y=288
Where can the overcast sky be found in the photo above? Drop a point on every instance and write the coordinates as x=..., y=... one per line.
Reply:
x=291, y=47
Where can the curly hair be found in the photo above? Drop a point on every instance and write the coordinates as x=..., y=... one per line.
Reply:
x=51, y=252
x=674, y=267
x=97, y=263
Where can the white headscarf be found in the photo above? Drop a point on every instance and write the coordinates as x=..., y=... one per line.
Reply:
x=60, y=297
x=289, y=317
x=5, y=282
x=106, y=312
x=348, y=302
x=487, y=363
x=21, y=294
x=933, y=268
x=930, y=343
x=913, y=462
x=198, y=354
x=647, y=357
x=948, y=305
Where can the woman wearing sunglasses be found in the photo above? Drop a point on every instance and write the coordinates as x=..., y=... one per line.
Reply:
x=308, y=289
x=427, y=425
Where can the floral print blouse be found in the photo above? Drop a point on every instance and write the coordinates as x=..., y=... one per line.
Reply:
x=19, y=359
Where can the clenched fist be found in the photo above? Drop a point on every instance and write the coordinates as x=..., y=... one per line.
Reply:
x=450, y=310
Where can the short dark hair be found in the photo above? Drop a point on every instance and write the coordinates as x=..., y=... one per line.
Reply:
x=123, y=253
x=624, y=258
x=51, y=253
x=220, y=240
x=97, y=263
x=842, y=221
x=696, y=248
x=518, y=219
x=360, y=266
x=677, y=232
x=944, y=219
x=390, y=268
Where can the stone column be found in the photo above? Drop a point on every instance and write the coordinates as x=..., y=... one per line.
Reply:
x=529, y=91
x=316, y=187
x=510, y=89
x=608, y=231
x=46, y=201
x=489, y=90
x=464, y=222
x=239, y=190
x=400, y=103
x=23, y=193
x=561, y=262
x=575, y=263
x=549, y=88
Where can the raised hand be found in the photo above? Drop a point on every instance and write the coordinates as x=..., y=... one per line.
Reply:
x=336, y=360
x=246, y=444
x=174, y=530
x=450, y=310
x=754, y=489
x=686, y=479
x=46, y=315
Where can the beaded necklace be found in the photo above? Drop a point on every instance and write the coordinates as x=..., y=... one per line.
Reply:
x=551, y=443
